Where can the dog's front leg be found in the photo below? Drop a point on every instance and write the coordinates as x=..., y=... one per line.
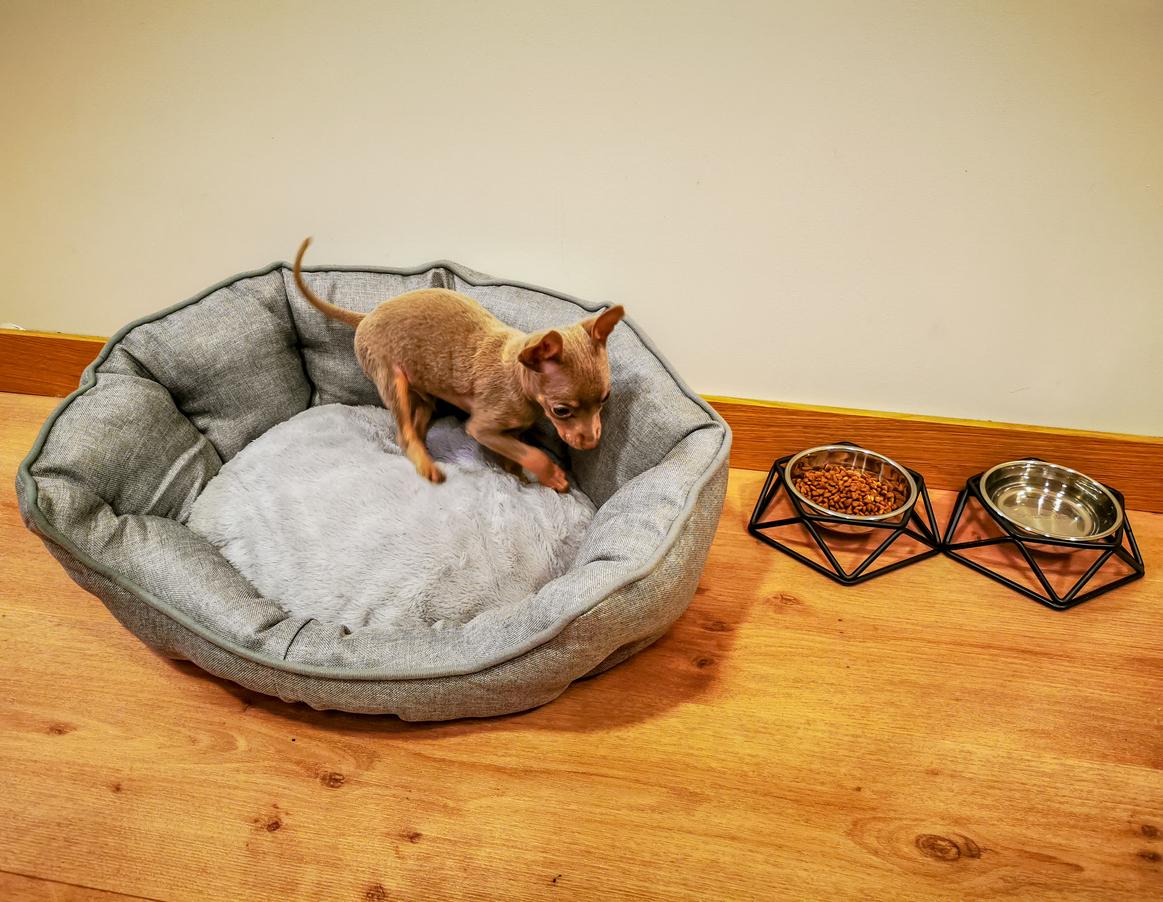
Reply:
x=509, y=446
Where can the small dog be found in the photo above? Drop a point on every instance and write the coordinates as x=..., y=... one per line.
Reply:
x=437, y=344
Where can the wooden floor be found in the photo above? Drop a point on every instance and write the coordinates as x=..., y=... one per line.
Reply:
x=927, y=735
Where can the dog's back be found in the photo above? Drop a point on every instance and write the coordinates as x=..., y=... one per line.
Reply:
x=441, y=338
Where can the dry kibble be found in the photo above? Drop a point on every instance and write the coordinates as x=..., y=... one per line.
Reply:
x=847, y=490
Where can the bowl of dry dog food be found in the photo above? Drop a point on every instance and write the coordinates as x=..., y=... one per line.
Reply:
x=851, y=486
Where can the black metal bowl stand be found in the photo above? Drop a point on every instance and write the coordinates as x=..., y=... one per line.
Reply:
x=1027, y=546
x=925, y=532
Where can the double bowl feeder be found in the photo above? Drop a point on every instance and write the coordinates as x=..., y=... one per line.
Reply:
x=1046, y=531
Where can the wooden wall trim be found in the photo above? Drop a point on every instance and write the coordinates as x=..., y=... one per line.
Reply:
x=44, y=363
x=946, y=451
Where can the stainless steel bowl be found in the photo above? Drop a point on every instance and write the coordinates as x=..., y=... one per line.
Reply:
x=858, y=459
x=1048, y=501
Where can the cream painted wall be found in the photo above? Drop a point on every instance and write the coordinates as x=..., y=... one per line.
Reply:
x=950, y=208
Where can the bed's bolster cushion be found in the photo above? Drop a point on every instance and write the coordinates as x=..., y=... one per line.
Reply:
x=168, y=561
x=231, y=361
x=125, y=442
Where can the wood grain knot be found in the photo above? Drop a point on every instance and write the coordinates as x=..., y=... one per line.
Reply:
x=717, y=626
x=414, y=836
x=332, y=779
x=1150, y=855
x=704, y=662
x=1149, y=830
x=269, y=822
x=60, y=729
x=376, y=893
x=945, y=848
x=115, y=787
x=785, y=599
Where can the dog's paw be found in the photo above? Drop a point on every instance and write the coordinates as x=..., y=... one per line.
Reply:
x=431, y=472
x=554, y=478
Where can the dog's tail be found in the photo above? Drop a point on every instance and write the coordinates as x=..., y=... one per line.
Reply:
x=344, y=316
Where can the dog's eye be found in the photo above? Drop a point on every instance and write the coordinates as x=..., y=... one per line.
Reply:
x=562, y=412
x=605, y=397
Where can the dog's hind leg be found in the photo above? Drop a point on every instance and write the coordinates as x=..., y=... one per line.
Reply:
x=411, y=441
x=412, y=419
x=398, y=396
x=423, y=409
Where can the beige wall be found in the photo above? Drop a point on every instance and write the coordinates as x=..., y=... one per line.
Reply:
x=948, y=208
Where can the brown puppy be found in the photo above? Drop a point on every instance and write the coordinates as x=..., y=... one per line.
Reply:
x=434, y=343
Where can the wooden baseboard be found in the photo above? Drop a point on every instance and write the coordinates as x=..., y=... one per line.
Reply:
x=44, y=363
x=946, y=451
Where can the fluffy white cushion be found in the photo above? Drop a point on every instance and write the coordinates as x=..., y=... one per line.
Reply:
x=324, y=515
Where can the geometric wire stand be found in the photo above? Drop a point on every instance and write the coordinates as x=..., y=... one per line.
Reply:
x=1055, y=554
x=898, y=532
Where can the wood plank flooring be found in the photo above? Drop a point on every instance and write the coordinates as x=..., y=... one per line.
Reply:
x=928, y=735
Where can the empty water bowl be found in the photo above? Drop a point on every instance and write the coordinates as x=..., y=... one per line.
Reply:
x=1047, y=501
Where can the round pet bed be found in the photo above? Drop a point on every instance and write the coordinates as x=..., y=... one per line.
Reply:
x=118, y=472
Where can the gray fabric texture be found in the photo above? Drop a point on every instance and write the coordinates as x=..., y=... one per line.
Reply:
x=111, y=481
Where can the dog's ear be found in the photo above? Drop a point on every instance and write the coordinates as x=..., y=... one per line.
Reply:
x=603, y=324
x=540, y=351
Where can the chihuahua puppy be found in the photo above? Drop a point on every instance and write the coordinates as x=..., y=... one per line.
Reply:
x=437, y=344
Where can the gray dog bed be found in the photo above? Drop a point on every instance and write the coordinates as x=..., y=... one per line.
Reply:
x=115, y=479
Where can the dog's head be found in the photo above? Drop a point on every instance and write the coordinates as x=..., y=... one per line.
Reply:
x=572, y=376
